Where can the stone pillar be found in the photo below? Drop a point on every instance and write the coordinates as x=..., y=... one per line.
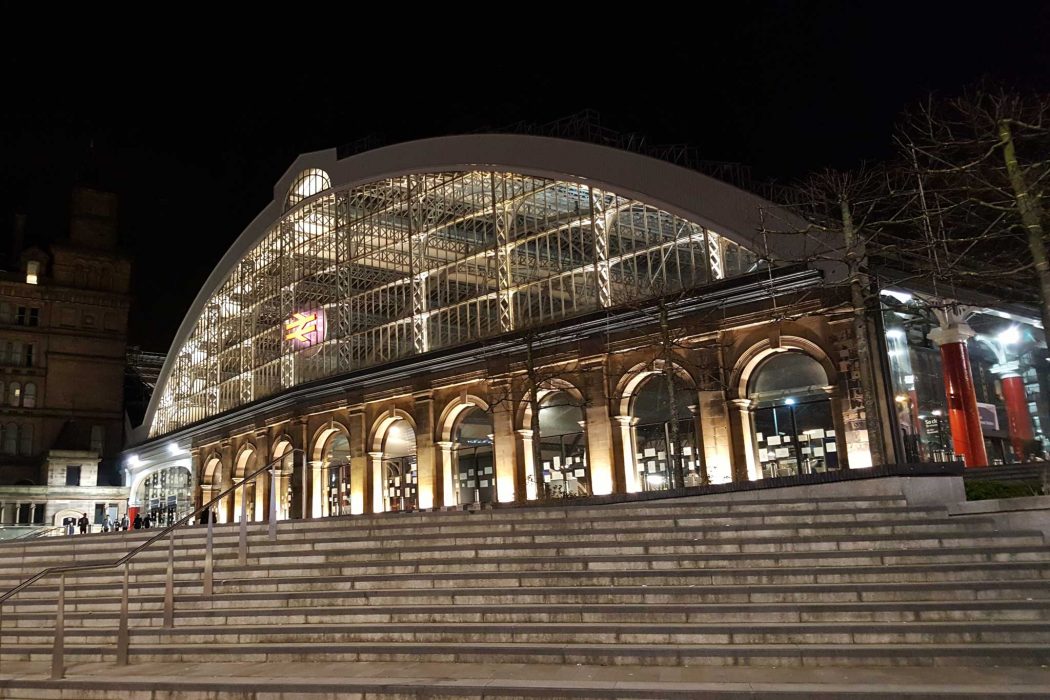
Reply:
x=745, y=466
x=378, y=482
x=627, y=473
x=196, y=475
x=504, y=448
x=1017, y=416
x=226, y=481
x=699, y=456
x=530, y=469
x=360, y=473
x=598, y=432
x=208, y=492
x=965, y=422
x=262, y=482
x=297, y=500
x=318, y=500
x=448, y=478
x=429, y=486
x=837, y=396
x=717, y=444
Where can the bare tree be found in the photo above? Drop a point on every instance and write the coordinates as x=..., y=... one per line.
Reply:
x=854, y=210
x=982, y=163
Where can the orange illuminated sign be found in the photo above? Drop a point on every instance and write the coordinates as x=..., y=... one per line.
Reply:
x=305, y=328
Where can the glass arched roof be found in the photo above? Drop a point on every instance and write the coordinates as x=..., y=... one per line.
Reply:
x=356, y=276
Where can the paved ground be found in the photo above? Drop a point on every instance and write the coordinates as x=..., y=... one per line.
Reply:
x=295, y=679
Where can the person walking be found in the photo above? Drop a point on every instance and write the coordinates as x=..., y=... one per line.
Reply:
x=124, y=523
x=107, y=523
x=70, y=525
x=138, y=522
x=83, y=523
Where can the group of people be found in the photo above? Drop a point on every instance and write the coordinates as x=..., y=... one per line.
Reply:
x=110, y=524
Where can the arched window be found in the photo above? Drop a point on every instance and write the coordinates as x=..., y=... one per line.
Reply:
x=29, y=395
x=11, y=439
x=563, y=446
x=307, y=184
x=336, y=456
x=793, y=427
x=473, y=467
x=656, y=426
x=25, y=446
x=14, y=393
x=399, y=462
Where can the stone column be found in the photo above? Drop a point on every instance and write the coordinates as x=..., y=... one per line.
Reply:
x=838, y=398
x=627, y=475
x=598, y=431
x=448, y=479
x=262, y=482
x=699, y=455
x=965, y=422
x=429, y=486
x=1017, y=416
x=504, y=449
x=318, y=498
x=360, y=471
x=530, y=469
x=378, y=482
x=226, y=481
x=714, y=427
x=745, y=466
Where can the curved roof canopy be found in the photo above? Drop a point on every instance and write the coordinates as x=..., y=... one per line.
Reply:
x=435, y=243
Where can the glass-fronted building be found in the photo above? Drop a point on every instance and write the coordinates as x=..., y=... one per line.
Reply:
x=499, y=318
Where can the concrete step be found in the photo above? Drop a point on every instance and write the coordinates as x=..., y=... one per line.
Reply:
x=295, y=613
x=304, y=679
x=545, y=568
x=681, y=534
x=820, y=567
x=867, y=633
x=790, y=654
x=503, y=595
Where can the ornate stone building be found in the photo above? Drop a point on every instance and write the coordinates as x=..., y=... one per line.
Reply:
x=501, y=318
x=63, y=325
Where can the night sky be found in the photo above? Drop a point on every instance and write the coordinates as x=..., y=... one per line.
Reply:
x=193, y=118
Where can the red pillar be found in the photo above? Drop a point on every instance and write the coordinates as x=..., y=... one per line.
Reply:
x=1017, y=414
x=967, y=438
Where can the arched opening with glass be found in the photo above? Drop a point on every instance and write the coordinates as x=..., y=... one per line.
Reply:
x=664, y=434
x=472, y=455
x=794, y=431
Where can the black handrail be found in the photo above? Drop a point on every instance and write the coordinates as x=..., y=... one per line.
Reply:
x=160, y=535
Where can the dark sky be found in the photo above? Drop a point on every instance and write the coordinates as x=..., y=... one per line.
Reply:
x=194, y=117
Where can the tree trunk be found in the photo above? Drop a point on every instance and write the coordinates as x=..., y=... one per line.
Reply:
x=855, y=255
x=667, y=350
x=1031, y=212
x=534, y=421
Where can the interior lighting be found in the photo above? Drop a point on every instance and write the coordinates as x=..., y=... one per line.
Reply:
x=790, y=401
x=1010, y=336
x=902, y=297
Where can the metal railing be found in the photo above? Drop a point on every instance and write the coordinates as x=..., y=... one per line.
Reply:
x=58, y=648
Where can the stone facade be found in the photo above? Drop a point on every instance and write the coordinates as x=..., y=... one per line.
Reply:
x=63, y=328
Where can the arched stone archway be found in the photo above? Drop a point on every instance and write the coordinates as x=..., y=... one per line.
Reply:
x=392, y=454
x=467, y=451
x=332, y=477
x=785, y=413
x=244, y=497
x=553, y=447
x=660, y=439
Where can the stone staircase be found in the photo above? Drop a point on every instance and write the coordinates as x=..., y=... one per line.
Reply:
x=575, y=601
